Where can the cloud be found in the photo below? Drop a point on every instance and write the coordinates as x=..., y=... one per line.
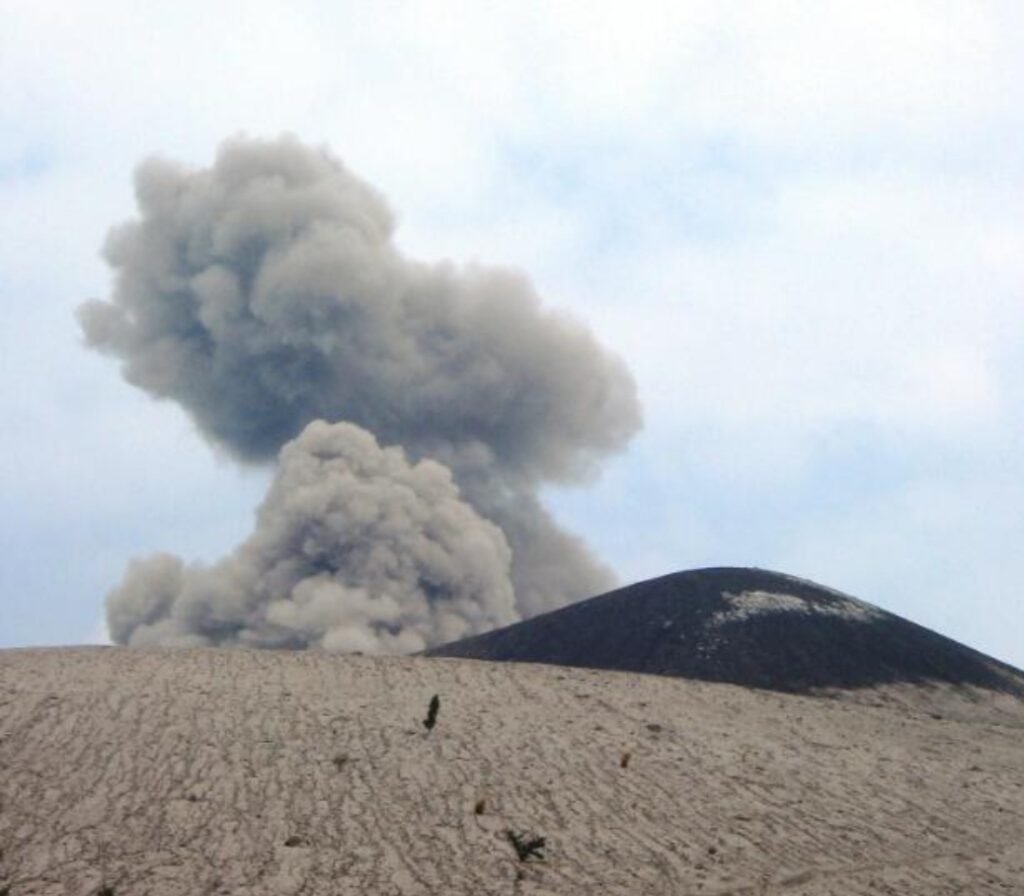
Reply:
x=266, y=293
x=355, y=549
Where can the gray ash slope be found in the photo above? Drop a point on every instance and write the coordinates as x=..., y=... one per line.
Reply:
x=750, y=627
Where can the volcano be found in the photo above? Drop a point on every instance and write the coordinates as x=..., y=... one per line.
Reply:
x=749, y=627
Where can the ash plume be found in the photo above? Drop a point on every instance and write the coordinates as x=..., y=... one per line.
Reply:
x=266, y=293
x=355, y=549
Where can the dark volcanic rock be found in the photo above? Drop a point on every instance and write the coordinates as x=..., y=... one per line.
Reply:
x=745, y=626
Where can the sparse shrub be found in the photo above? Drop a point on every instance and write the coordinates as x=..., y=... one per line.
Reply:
x=624, y=759
x=339, y=762
x=431, y=720
x=105, y=890
x=481, y=805
x=526, y=847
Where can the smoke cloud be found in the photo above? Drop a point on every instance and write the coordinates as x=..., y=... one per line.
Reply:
x=266, y=293
x=354, y=549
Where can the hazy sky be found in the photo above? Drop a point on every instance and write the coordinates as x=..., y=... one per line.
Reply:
x=799, y=224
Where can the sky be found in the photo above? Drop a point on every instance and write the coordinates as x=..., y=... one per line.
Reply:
x=800, y=225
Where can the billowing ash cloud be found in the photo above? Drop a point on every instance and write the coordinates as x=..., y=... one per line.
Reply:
x=354, y=549
x=266, y=293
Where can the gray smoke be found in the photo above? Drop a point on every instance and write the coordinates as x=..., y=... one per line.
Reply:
x=354, y=549
x=266, y=293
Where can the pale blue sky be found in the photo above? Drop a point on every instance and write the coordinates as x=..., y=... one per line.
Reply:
x=801, y=225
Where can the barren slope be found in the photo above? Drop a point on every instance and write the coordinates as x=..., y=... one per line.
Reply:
x=214, y=771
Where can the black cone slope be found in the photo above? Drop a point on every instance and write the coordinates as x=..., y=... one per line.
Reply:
x=745, y=626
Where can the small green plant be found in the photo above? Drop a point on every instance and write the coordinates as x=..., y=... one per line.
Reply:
x=431, y=720
x=526, y=847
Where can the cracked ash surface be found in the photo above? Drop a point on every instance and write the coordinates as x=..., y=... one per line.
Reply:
x=217, y=771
